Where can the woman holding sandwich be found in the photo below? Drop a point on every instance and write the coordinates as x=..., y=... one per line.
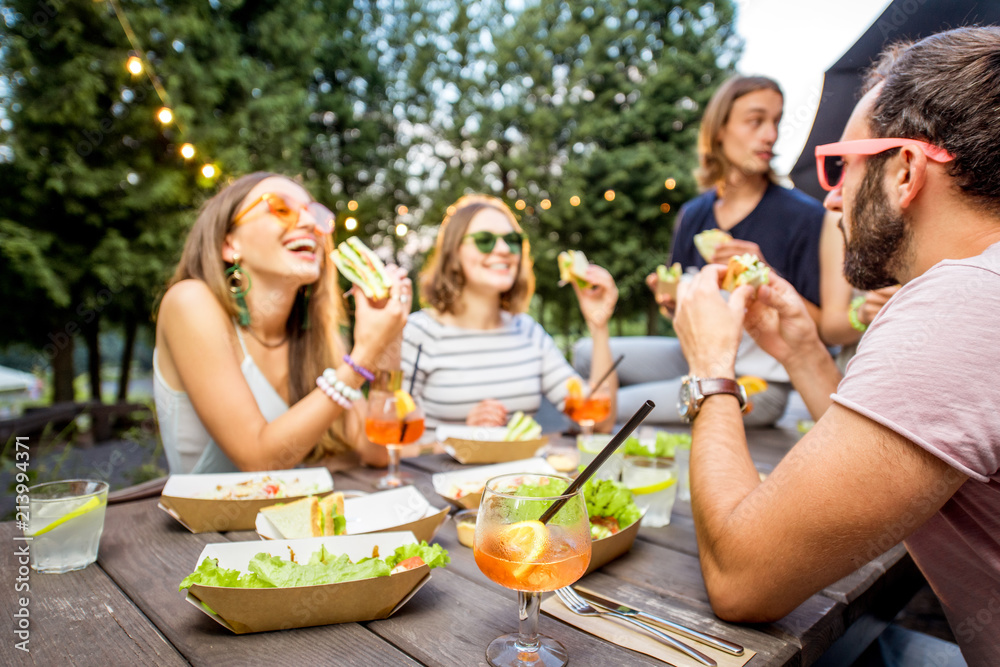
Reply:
x=250, y=372
x=481, y=356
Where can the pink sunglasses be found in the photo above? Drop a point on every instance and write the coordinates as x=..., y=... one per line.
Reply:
x=830, y=157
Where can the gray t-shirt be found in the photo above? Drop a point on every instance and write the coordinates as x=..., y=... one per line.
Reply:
x=927, y=369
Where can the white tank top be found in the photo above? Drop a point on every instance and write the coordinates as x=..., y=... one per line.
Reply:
x=188, y=446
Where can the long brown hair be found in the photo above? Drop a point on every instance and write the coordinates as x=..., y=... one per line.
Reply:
x=312, y=348
x=713, y=165
x=442, y=280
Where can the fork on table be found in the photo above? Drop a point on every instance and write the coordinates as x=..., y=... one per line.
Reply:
x=578, y=605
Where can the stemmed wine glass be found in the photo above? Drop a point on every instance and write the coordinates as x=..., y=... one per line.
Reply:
x=590, y=408
x=394, y=419
x=516, y=550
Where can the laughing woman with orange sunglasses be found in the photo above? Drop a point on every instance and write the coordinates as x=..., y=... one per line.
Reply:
x=250, y=372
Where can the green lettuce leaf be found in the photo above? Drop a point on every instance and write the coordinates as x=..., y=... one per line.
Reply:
x=210, y=574
x=607, y=497
x=324, y=567
x=665, y=446
x=434, y=555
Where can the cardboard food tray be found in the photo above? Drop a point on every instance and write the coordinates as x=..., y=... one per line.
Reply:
x=477, y=445
x=180, y=498
x=605, y=550
x=245, y=610
x=402, y=509
x=443, y=481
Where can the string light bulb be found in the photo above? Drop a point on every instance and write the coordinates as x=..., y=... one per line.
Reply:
x=352, y=205
x=209, y=171
x=574, y=201
x=670, y=184
x=165, y=115
x=401, y=229
x=134, y=65
x=519, y=204
x=609, y=195
x=187, y=151
x=545, y=204
x=351, y=224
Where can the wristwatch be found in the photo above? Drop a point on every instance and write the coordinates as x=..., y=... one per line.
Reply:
x=694, y=390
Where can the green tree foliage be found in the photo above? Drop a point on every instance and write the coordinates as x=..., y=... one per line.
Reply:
x=574, y=99
x=101, y=199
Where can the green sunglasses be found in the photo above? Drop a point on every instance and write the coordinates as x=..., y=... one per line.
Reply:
x=486, y=241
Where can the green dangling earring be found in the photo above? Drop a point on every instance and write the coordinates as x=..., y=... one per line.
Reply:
x=235, y=276
x=304, y=306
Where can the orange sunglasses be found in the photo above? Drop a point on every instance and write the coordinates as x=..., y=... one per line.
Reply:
x=830, y=157
x=288, y=209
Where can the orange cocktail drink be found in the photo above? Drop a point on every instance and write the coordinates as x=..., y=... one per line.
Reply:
x=516, y=550
x=594, y=408
x=394, y=419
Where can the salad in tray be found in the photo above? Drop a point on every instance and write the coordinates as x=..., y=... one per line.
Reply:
x=324, y=567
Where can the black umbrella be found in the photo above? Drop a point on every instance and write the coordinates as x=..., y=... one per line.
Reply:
x=902, y=19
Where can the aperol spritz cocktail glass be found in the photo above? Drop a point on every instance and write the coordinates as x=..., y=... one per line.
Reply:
x=394, y=419
x=514, y=549
x=585, y=406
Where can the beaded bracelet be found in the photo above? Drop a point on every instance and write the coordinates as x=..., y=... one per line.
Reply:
x=349, y=392
x=360, y=370
x=334, y=395
x=852, y=314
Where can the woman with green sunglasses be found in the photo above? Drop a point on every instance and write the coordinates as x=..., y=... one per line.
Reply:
x=481, y=356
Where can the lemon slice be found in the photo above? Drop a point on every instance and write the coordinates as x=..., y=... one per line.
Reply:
x=88, y=506
x=752, y=385
x=404, y=403
x=574, y=387
x=524, y=541
x=654, y=488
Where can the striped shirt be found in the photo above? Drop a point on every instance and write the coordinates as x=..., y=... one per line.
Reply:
x=515, y=364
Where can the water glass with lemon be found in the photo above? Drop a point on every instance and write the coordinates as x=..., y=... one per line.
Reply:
x=653, y=483
x=65, y=522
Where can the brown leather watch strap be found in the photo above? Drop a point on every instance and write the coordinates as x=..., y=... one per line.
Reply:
x=712, y=386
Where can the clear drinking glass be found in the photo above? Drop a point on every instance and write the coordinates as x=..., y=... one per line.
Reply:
x=65, y=522
x=591, y=445
x=394, y=419
x=519, y=552
x=653, y=482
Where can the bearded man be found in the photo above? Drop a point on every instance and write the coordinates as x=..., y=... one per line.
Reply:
x=907, y=444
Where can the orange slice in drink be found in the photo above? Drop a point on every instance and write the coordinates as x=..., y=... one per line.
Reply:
x=574, y=387
x=524, y=542
x=752, y=385
x=404, y=403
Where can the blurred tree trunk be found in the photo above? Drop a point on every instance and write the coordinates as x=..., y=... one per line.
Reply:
x=62, y=372
x=131, y=327
x=652, y=312
x=90, y=335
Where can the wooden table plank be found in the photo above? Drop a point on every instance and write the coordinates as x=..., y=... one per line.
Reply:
x=148, y=554
x=770, y=650
x=72, y=614
x=446, y=625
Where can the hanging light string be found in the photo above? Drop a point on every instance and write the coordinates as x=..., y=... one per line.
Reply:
x=147, y=66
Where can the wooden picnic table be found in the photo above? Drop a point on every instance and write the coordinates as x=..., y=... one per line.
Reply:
x=126, y=609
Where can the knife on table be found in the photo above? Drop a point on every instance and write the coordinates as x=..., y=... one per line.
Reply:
x=690, y=633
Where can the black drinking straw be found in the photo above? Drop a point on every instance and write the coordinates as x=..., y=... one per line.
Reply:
x=599, y=460
x=608, y=374
x=413, y=379
x=416, y=360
